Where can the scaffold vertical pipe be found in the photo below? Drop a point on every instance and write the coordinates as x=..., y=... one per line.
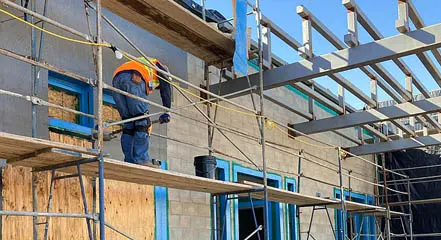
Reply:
x=388, y=236
x=34, y=85
x=351, y=217
x=262, y=123
x=203, y=10
x=100, y=118
x=342, y=197
x=207, y=84
x=409, y=202
x=299, y=171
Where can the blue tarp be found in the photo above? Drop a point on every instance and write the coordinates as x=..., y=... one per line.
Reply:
x=240, y=59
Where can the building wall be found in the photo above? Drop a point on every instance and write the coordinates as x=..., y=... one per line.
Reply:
x=189, y=212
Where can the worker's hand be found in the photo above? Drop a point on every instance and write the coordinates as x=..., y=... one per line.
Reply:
x=164, y=118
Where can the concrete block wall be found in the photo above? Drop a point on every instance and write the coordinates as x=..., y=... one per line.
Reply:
x=181, y=156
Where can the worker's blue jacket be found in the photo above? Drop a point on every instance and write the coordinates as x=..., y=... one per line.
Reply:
x=136, y=135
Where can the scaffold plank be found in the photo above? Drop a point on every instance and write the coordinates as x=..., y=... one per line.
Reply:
x=38, y=153
x=284, y=196
x=176, y=25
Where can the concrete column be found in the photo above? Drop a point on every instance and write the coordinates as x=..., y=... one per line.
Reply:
x=351, y=38
x=402, y=24
x=374, y=91
x=306, y=50
x=266, y=40
x=311, y=103
x=341, y=98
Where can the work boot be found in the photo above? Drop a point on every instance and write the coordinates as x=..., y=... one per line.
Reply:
x=153, y=163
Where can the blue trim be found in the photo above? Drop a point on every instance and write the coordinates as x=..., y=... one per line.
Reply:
x=291, y=210
x=68, y=126
x=83, y=90
x=223, y=168
x=275, y=211
x=368, y=222
x=108, y=98
x=161, y=210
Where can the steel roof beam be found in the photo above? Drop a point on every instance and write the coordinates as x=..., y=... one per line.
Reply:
x=382, y=50
x=397, y=145
x=397, y=111
x=419, y=23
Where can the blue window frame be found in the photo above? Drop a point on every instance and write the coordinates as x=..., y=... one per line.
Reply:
x=292, y=232
x=363, y=226
x=84, y=92
x=222, y=212
x=275, y=213
x=161, y=210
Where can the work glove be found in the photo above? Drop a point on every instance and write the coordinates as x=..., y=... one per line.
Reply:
x=164, y=118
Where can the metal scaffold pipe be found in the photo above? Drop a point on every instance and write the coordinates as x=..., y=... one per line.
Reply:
x=100, y=142
x=262, y=124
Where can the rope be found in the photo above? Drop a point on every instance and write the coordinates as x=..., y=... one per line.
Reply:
x=193, y=94
x=52, y=33
x=299, y=140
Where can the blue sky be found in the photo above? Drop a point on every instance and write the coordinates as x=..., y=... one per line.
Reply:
x=332, y=13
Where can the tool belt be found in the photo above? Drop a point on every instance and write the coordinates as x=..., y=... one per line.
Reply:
x=147, y=128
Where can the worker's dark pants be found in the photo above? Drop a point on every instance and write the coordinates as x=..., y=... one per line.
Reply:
x=134, y=146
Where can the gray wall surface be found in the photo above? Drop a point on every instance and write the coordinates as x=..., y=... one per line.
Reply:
x=74, y=57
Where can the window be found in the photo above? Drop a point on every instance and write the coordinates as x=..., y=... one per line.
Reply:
x=73, y=94
x=363, y=227
x=242, y=206
x=221, y=211
x=291, y=212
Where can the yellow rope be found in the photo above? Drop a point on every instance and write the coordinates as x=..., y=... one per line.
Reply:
x=195, y=95
x=302, y=141
x=268, y=122
x=52, y=33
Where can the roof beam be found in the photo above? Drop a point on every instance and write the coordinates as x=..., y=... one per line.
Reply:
x=334, y=40
x=280, y=33
x=402, y=110
x=402, y=144
x=419, y=23
x=382, y=50
x=306, y=14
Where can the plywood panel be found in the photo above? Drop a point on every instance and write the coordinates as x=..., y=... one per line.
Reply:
x=129, y=206
x=65, y=99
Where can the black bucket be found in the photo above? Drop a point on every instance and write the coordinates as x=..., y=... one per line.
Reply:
x=205, y=166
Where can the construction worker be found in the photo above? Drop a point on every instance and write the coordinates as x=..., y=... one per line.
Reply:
x=139, y=80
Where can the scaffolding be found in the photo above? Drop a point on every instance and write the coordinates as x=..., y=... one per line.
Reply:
x=80, y=162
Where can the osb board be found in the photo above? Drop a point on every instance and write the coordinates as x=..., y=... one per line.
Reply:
x=65, y=99
x=16, y=145
x=17, y=192
x=173, y=23
x=53, y=136
x=129, y=207
x=111, y=114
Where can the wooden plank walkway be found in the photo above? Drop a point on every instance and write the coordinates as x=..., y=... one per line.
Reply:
x=37, y=153
x=176, y=25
